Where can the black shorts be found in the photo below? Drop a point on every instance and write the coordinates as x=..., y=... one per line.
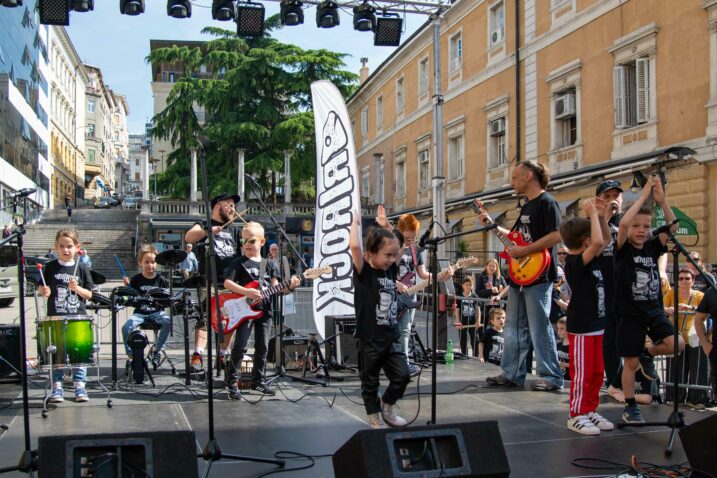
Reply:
x=632, y=330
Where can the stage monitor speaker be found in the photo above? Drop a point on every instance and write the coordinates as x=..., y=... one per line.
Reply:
x=165, y=454
x=10, y=352
x=473, y=449
x=343, y=348
x=698, y=441
x=294, y=351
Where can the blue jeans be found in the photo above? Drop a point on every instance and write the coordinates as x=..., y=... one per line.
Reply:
x=133, y=322
x=404, y=326
x=527, y=319
x=79, y=374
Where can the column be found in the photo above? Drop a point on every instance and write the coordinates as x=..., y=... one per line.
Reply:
x=144, y=173
x=193, y=176
x=287, y=176
x=378, y=178
x=240, y=174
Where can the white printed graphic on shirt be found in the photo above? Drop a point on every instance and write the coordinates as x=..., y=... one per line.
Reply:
x=597, y=273
x=496, y=350
x=66, y=301
x=224, y=245
x=523, y=228
x=647, y=282
x=468, y=310
x=387, y=306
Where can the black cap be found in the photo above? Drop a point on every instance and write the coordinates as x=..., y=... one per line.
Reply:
x=223, y=197
x=609, y=184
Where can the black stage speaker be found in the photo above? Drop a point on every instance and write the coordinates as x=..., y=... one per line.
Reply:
x=10, y=352
x=294, y=351
x=698, y=441
x=165, y=454
x=472, y=449
x=343, y=347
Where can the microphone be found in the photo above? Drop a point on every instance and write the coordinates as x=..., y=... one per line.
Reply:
x=614, y=209
x=426, y=235
x=23, y=193
x=251, y=179
x=664, y=228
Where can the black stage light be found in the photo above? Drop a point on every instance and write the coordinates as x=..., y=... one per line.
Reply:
x=54, y=12
x=131, y=7
x=179, y=8
x=291, y=13
x=388, y=30
x=11, y=3
x=327, y=14
x=83, y=5
x=223, y=10
x=250, y=19
x=364, y=18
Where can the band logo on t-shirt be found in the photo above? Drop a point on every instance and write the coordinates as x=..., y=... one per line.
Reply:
x=524, y=229
x=646, y=284
x=387, y=307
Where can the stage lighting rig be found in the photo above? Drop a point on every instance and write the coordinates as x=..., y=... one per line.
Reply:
x=54, y=12
x=389, y=27
x=364, y=18
x=11, y=3
x=327, y=14
x=131, y=7
x=291, y=13
x=250, y=19
x=223, y=10
x=179, y=8
x=83, y=5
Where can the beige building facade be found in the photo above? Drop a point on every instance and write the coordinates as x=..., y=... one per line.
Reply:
x=595, y=88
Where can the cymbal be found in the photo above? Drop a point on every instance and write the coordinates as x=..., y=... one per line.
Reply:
x=194, y=282
x=171, y=257
x=97, y=278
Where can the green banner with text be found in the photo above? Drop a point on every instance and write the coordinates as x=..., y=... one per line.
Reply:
x=687, y=225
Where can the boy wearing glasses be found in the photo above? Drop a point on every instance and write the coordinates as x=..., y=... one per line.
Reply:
x=240, y=272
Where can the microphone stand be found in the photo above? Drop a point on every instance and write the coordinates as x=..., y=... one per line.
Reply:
x=28, y=459
x=211, y=451
x=432, y=246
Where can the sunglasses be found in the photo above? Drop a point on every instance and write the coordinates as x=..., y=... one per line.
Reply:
x=252, y=241
x=685, y=278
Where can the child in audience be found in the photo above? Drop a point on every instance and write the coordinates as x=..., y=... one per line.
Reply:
x=490, y=348
x=467, y=317
x=563, y=345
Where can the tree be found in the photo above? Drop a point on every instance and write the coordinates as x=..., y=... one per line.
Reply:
x=257, y=98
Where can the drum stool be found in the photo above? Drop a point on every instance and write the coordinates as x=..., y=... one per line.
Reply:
x=154, y=326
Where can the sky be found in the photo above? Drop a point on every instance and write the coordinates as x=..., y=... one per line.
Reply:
x=118, y=44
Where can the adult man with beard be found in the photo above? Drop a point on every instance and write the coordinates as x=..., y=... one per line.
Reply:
x=226, y=248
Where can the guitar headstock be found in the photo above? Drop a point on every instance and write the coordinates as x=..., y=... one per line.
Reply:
x=477, y=206
x=466, y=262
x=316, y=272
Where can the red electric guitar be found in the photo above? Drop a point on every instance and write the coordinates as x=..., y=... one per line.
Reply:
x=236, y=309
x=522, y=270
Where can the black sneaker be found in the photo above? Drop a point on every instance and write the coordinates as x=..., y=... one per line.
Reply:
x=500, y=381
x=414, y=370
x=155, y=358
x=127, y=366
x=543, y=386
x=647, y=365
x=234, y=393
x=263, y=388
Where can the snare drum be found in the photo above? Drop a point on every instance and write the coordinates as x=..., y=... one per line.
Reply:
x=72, y=337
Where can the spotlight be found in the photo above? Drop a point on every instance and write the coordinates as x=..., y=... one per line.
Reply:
x=223, y=10
x=11, y=3
x=327, y=14
x=83, y=5
x=364, y=18
x=179, y=8
x=250, y=19
x=291, y=13
x=131, y=7
x=55, y=12
x=388, y=30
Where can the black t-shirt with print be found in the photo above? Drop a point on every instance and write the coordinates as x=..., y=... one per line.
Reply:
x=708, y=306
x=226, y=247
x=586, y=309
x=407, y=264
x=538, y=218
x=492, y=346
x=376, y=304
x=143, y=285
x=468, y=310
x=638, y=290
x=62, y=300
x=564, y=357
x=243, y=270
x=606, y=263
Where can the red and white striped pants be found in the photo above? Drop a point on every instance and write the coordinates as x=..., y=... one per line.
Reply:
x=586, y=373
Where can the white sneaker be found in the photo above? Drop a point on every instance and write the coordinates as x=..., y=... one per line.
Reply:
x=390, y=417
x=601, y=422
x=583, y=425
x=374, y=419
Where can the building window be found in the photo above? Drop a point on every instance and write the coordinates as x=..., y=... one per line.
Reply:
x=90, y=155
x=379, y=113
x=380, y=185
x=455, y=53
x=566, y=119
x=496, y=27
x=90, y=130
x=455, y=157
x=496, y=142
x=364, y=122
x=365, y=183
x=632, y=93
x=399, y=94
x=423, y=76
x=401, y=179
x=424, y=169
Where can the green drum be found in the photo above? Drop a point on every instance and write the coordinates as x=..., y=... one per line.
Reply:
x=72, y=337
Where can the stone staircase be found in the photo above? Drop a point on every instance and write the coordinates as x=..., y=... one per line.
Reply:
x=103, y=233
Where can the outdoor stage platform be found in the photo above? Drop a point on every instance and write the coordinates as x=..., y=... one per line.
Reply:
x=532, y=424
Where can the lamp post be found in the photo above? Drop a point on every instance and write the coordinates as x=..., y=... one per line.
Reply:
x=161, y=152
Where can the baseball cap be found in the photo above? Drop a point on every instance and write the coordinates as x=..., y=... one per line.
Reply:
x=223, y=197
x=609, y=184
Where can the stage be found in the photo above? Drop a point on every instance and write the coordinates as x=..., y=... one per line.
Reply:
x=317, y=420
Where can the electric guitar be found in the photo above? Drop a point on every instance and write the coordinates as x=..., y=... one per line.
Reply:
x=522, y=270
x=235, y=309
x=405, y=300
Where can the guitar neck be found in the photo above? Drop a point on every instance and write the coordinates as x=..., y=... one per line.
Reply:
x=420, y=286
x=502, y=237
x=275, y=289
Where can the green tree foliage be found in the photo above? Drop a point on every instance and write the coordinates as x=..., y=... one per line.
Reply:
x=257, y=98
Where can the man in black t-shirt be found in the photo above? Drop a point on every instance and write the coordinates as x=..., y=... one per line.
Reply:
x=708, y=307
x=529, y=306
x=226, y=248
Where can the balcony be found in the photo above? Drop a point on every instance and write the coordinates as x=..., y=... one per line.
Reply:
x=192, y=208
